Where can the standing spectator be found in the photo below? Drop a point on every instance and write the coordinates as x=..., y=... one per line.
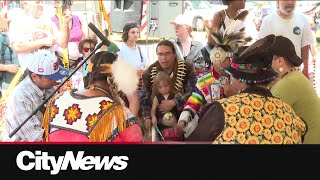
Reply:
x=86, y=46
x=9, y=64
x=32, y=31
x=43, y=72
x=189, y=48
x=222, y=19
x=253, y=116
x=76, y=30
x=295, y=89
x=133, y=54
x=288, y=22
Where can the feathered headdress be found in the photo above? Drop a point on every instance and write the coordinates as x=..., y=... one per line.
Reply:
x=228, y=42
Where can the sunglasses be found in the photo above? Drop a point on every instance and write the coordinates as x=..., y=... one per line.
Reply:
x=87, y=49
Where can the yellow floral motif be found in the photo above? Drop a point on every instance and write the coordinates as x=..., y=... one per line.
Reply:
x=295, y=137
x=287, y=108
x=278, y=102
x=287, y=140
x=279, y=125
x=287, y=118
x=267, y=134
x=256, y=128
x=277, y=138
x=229, y=134
x=279, y=113
x=242, y=95
x=288, y=130
x=267, y=121
x=257, y=104
x=232, y=109
x=221, y=101
x=232, y=121
x=246, y=100
x=246, y=111
x=243, y=125
x=252, y=140
x=265, y=142
x=257, y=115
x=233, y=100
x=93, y=120
x=269, y=107
x=241, y=138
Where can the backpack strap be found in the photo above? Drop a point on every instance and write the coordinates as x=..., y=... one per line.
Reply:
x=140, y=53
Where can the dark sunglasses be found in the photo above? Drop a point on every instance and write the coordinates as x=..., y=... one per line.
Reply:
x=87, y=49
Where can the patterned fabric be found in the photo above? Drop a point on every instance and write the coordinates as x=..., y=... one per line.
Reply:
x=22, y=101
x=209, y=88
x=184, y=80
x=255, y=119
x=84, y=115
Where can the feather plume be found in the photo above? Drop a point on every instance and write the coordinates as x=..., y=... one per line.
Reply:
x=232, y=40
x=125, y=76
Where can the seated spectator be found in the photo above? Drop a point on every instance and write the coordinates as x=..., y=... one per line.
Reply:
x=295, y=89
x=43, y=72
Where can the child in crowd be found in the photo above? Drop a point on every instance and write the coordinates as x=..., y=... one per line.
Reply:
x=162, y=90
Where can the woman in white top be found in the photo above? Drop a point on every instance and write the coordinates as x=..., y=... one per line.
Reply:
x=133, y=54
x=223, y=18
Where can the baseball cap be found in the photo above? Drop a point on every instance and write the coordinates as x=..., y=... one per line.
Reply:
x=285, y=48
x=182, y=20
x=46, y=64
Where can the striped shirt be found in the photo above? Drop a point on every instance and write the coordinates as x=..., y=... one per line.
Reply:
x=22, y=101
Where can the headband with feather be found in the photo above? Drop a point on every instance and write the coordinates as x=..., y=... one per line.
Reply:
x=228, y=42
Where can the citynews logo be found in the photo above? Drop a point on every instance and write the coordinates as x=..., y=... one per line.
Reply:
x=42, y=161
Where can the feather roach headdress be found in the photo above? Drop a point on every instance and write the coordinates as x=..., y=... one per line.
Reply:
x=228, y=42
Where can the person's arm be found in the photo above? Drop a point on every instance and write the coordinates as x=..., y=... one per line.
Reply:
x=63, y=38
x=214, y=28
x=211, y=123
x=264, y=28
x=307, y=39
x=11, y=68
x=305, y=58
x=134, y=103
x=155, y=104
x=26, y=47
x=191, y=107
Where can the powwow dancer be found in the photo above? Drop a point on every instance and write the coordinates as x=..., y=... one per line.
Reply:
x=96, y=113
x=253, y=116
x=210, y=85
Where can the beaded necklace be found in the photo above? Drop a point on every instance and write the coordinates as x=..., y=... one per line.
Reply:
x=92, y=87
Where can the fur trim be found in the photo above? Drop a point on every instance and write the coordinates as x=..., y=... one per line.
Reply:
x=125, y=76
x=178, y=52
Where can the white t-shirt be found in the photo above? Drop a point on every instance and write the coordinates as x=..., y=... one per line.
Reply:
x=297, y=29
x=132, y=56
x=27, y=29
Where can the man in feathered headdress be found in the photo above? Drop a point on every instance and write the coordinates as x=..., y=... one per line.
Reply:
x=253, y=115
x=210, y=85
